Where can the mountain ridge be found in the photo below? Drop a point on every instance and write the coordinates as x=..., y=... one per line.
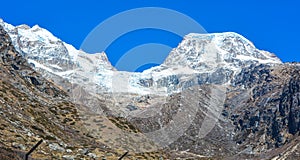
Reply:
x=49, y=36
x=59, y=59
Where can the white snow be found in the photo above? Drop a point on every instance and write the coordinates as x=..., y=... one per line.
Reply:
x=73, y=52
x=55, y=66
x=65, y=73
x=38, y=65
x=43, y=33
x=248, y=58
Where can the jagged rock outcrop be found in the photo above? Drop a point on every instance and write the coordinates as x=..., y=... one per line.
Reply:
x=268, y=115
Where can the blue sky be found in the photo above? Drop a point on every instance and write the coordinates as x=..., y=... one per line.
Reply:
x=270, y=25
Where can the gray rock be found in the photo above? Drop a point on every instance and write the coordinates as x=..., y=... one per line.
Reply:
x=68, y=157
x=56, y=147
x=92, y=155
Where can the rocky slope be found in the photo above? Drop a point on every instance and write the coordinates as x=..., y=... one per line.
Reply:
x=33, y=108
x=267, y=115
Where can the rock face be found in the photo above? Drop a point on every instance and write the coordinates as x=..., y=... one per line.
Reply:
x=268, y=116
x=215, y=96
x=260, y=113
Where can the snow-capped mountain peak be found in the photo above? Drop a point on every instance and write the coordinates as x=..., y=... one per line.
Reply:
x=48, y=53
x=204, y=52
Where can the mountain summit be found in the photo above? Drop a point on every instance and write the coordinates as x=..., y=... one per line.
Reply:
x=205, y=52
